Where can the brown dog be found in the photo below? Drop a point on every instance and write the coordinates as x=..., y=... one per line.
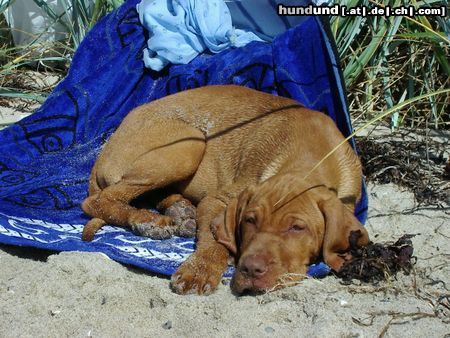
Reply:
x=245, y=158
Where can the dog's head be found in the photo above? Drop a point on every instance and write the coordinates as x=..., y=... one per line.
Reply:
x=276, y=229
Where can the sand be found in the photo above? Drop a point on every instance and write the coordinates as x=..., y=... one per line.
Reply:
x=73, y=294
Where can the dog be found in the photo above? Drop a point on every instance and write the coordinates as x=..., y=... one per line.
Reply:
x=249, y=161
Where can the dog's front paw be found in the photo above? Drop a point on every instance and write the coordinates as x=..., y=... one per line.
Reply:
x=183, y=214
x=160, y=228
x=196, y=276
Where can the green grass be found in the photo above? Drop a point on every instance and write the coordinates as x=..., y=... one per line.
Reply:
x=389, y=60
x=77, y=17
x=386, y=61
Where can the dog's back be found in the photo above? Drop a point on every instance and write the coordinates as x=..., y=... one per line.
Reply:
x=215, y=110
x=249, y=135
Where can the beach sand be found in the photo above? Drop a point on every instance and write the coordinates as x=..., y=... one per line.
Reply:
x=74, y=294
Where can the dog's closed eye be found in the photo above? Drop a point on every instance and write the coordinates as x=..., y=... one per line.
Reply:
x=297, y=228
x=250, y=219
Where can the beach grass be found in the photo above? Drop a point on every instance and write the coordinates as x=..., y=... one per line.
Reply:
x=386, y=61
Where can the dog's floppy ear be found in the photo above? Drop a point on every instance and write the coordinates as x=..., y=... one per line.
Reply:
x=339, y=223
x=225, y=226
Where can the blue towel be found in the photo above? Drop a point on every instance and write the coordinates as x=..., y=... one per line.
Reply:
x=46, y=158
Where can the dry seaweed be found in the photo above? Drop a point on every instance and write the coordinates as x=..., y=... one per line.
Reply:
x=377, y=261
x=417, y=165
x=447, y=170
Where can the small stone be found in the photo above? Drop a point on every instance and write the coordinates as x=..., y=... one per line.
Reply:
x=167, y=325
x=54, y=312
x=343, y=303
x=269, y=329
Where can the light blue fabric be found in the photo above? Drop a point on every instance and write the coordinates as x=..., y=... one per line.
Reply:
x=182, y=29
x=261, y=16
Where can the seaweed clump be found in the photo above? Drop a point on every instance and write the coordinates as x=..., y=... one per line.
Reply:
x=377, y=261
x=417, y=165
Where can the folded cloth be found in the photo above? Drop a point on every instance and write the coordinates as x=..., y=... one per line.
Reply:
x=182, y=29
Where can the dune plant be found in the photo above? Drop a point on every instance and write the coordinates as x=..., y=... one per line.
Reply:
x=385, y=61
x=78, y=17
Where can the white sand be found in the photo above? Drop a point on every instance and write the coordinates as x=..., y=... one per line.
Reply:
x=74, y=294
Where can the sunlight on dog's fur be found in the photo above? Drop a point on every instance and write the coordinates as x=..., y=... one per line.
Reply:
x=241, y=156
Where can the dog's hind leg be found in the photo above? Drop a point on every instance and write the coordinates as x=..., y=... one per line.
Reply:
x=175, y=161
x=111, y=205
x=93, y=184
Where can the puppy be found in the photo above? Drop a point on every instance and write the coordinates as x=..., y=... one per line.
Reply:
x=248, y=161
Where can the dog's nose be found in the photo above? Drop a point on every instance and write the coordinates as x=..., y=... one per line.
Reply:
x=254, y=266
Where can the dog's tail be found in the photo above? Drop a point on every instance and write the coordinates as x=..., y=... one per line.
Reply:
x=91, y=228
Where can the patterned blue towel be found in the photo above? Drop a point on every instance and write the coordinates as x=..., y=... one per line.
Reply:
x=45, y=159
